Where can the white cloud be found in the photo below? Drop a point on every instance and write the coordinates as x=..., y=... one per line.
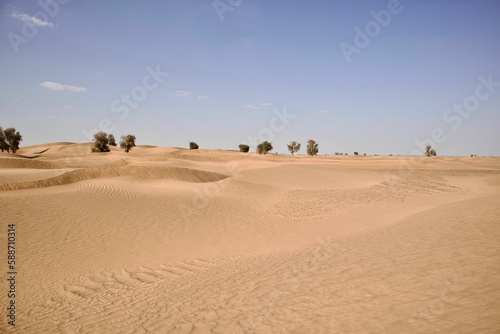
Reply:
x=267, y=104
x=32, y=19
x=61, y=87
x=202, y=97
x=250, y=106
x=388, y=118
x=182, y=93
x=323, y=111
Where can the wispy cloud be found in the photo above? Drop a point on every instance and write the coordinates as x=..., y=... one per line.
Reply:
x=60, y=87
x=257, y=105
x=323, y=111
x=186, y=93
x=388, y=119
x=31, y=19
x=182, y=93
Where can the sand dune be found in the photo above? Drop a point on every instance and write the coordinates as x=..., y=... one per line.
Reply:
x=168, y=240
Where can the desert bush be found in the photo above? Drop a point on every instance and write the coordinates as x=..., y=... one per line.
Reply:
x=101, y=142
x=336, y=153
x=293, y=147
x=312, y=147
x=429, y=151
x=127, y=143
x=11, y=139
x=355, y=153
x=264, y=147
x=111, y=140
x=193, y=145
x=244, y=148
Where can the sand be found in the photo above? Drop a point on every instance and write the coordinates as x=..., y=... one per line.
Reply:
x=168, y=240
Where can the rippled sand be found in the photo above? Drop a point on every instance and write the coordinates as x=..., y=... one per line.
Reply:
x=166, y=240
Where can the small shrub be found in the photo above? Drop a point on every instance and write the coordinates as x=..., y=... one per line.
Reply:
x=193, y=145
x=244, y=148
x=429, y=151
x=111, y=139
x=312, y=147
x=355, y=153
x=264, y=147
x=101, y=142
x=127, y=143
x=10, y=139
x=293, y=147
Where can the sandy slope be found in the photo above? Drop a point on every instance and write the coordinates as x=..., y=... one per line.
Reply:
x=166, y=240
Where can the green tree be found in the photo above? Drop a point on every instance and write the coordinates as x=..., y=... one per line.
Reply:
x=312, y=147
x=127, y=143
x=293, y=147
x=264, y=147
x=244, y=148
x=13, y=139
x=193, y=145
x=111, y=139
x=101, y=142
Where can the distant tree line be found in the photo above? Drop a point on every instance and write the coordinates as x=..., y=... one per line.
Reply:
x=10, y=139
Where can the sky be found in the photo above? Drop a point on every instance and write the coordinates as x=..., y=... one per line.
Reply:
x=377, y=77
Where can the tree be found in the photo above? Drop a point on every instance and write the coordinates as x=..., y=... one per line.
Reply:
x=312, y=147
x=101, y=142
x=13, y=139
x=244, y=148
x=127, y=143
x=193, y=145
x=3, y=143
x=293, y=147
x=264, y=147
x=111, y=140
x=356, y=153
x=429, y=151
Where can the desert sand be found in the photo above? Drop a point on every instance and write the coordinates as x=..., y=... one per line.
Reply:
x=168, y=240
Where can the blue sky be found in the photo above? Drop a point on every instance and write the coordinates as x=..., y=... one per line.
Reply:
x=234, y=66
